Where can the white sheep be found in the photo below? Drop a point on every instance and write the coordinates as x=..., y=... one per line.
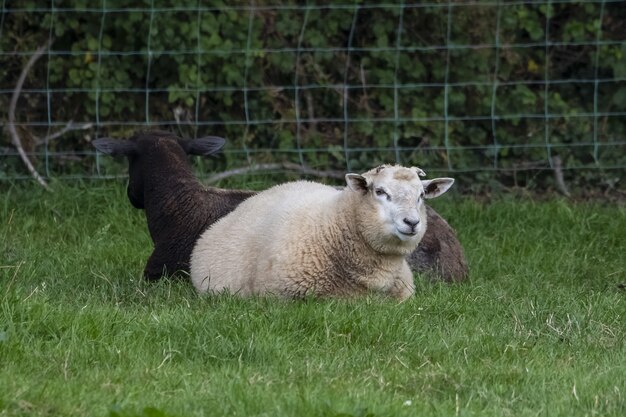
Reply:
x=304, y=238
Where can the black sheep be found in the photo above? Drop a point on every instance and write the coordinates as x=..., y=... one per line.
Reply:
x=179, y=208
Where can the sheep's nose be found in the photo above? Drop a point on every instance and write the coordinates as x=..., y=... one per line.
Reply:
x=411, y=222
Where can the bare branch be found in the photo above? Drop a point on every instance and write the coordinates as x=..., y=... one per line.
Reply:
x=311, y=110
x=290, y=166
x=11, y=122
x=68, y=127
x=557, y=166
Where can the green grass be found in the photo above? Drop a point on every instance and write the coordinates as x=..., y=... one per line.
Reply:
x=539, y=330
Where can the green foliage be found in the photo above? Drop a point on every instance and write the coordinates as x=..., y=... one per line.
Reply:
x=214, y=69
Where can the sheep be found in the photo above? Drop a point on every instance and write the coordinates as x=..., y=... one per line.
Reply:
x=439, y=255
x=304, y=238
x=178, y=207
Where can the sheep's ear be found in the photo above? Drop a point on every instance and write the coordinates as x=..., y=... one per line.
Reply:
x=357, y=182
x=437, y=186
x=203, y=146
x=115, y=147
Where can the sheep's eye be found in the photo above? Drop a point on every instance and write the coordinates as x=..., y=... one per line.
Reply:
x=380, y=192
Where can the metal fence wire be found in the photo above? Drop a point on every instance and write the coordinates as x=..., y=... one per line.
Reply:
x=452, y=86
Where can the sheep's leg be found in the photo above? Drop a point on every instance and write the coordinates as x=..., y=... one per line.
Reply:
x=403, y=286
x=154, y=271
x=163, y=263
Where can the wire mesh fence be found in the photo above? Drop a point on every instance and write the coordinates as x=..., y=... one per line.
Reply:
x=480, y=88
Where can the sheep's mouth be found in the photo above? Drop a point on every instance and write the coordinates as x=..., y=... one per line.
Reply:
x=408, y=234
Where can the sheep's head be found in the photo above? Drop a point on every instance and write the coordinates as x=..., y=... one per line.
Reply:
x=391, y=213
x=148, y=152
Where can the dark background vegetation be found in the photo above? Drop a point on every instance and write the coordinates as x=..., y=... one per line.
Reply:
x=459, y=89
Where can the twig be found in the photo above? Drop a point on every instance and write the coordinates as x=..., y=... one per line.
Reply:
x=69, y=126
x=268, y=167
x=311, y=110
x=557, y=166
x=11, y=122
x=365, y=99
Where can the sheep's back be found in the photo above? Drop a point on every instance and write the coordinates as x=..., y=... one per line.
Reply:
x=240, y=251
x=178, y=215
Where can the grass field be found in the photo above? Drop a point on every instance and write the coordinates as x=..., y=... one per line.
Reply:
x=539, y=330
